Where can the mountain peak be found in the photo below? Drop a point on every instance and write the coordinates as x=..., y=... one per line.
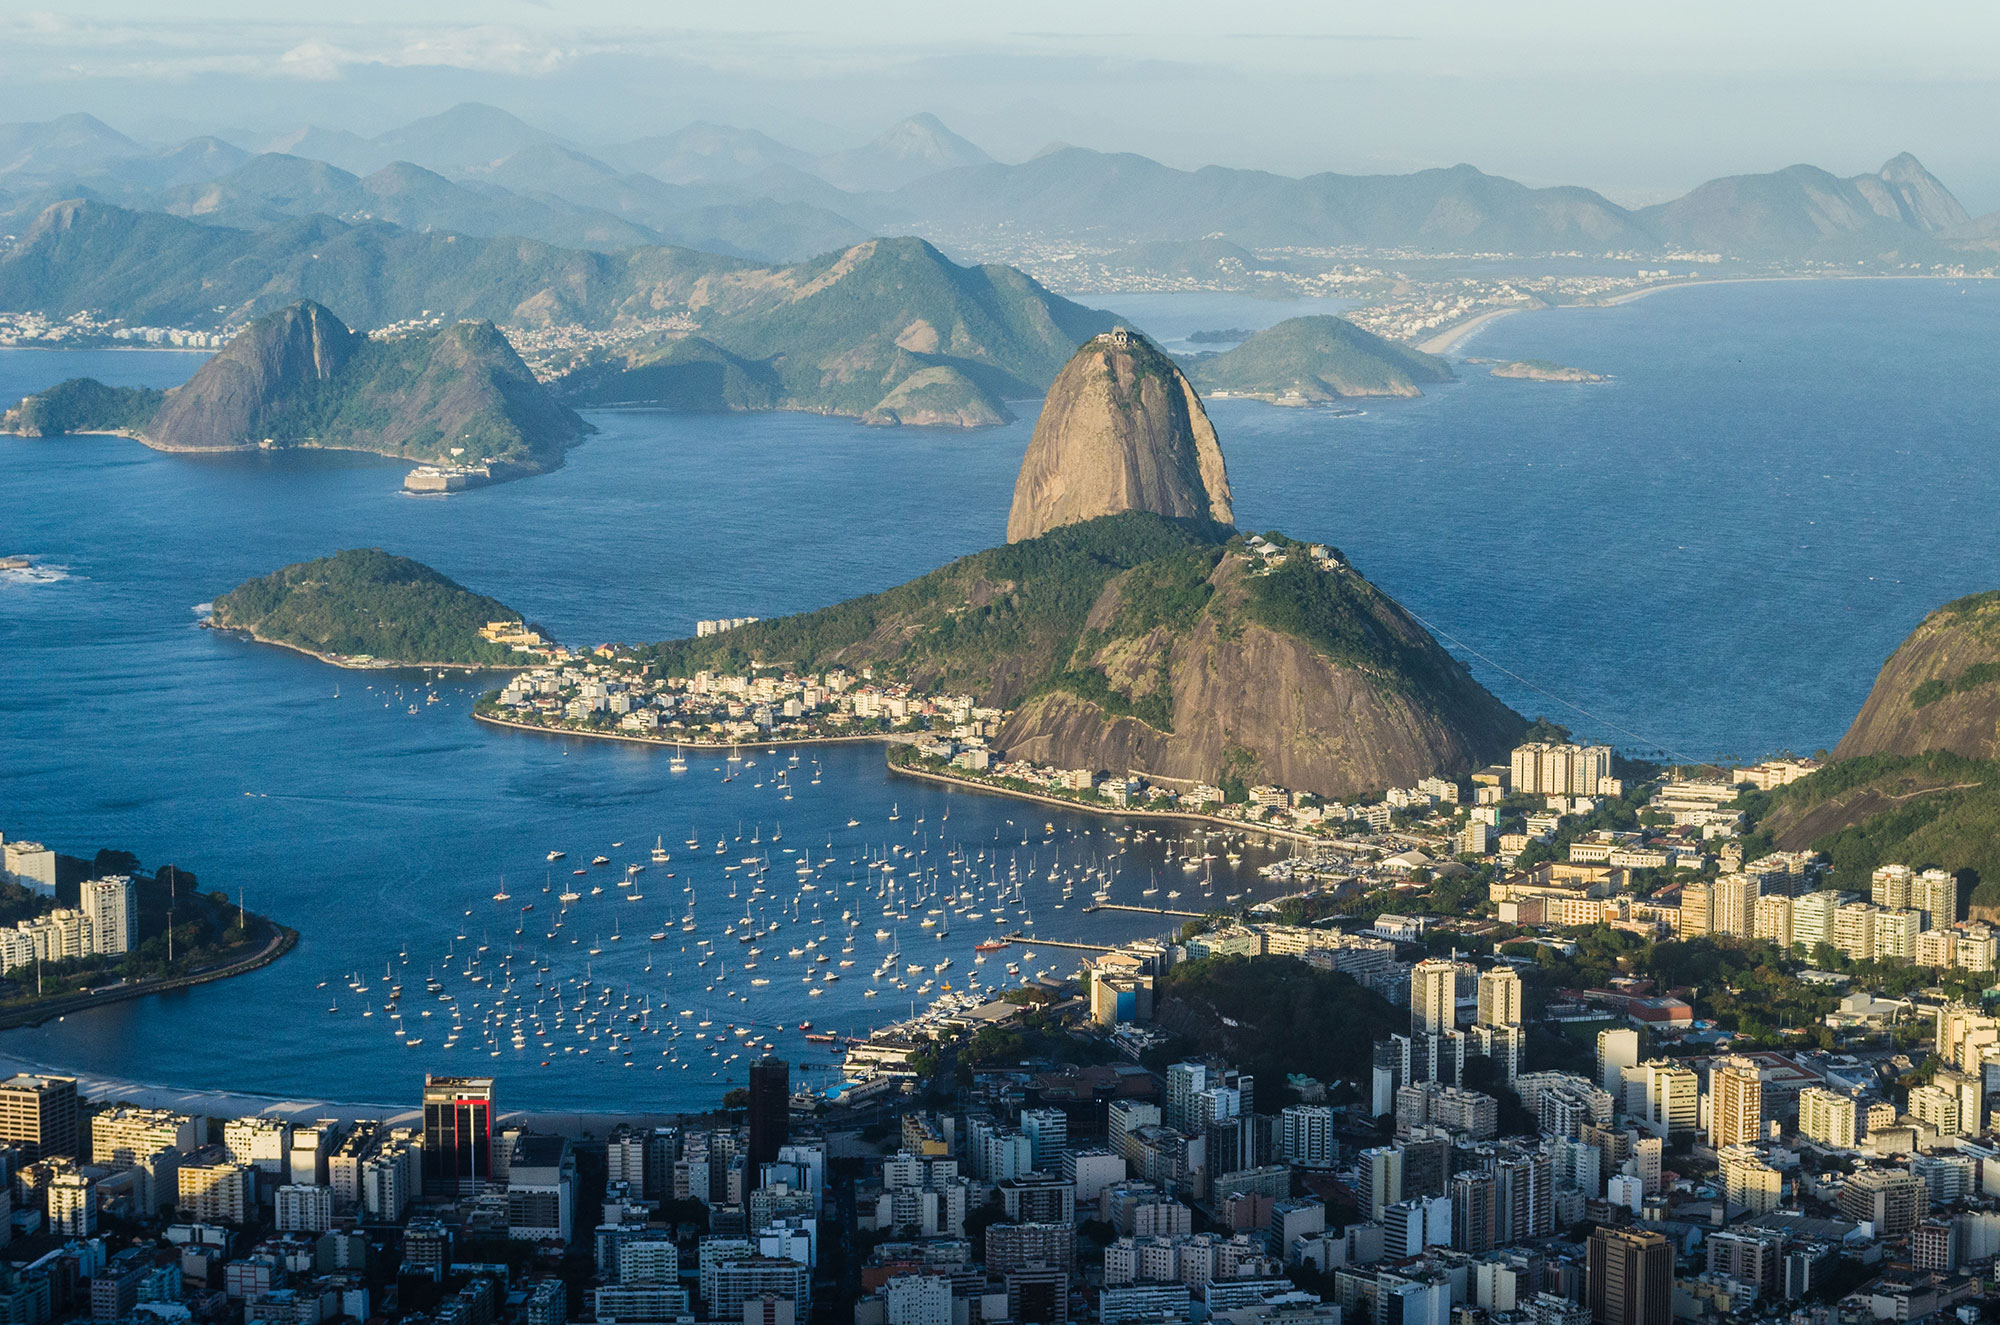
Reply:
x=907, y=151
x=924, y=137
x=230, y=398
x=1121, y=430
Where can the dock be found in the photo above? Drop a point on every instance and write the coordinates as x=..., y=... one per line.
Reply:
x=1147, y=910
x=1029, y=940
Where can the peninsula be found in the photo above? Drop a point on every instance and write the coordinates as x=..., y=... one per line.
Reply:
x=366, y=608
x=456, y=397
x=1125, y=626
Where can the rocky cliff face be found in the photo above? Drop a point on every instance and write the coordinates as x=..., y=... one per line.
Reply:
x=228, y=403
x=1940, y=690
x=1121, y=430
x=1232, y=691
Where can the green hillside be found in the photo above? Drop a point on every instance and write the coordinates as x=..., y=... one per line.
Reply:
x=1311, y=360
x=426, y=395
x=83, y=404
x=298, y=377
x=998, y=622
x=1133, y=641
x=366, y=602
x=1935, y=809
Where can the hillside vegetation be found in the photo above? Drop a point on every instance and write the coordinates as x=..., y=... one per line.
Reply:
x=1251, y=1011
x=83, y=404
x=1133, y=641
x=1940, y=689
x=998, y=623
x=1936, y=809
x=1311, y=360
x=364, y=602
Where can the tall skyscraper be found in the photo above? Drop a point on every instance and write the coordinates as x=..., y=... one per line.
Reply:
x=38, y=1116
x=1499, y=997
x=770, y=1109
x=1736, y=1103
x=1935, y=893
x=1733, y=904
x=112, y=907
x=1617, y=1049
x=1381, y=1178
x=1433, y=997
x=1630, y=1277
x=458, y=1135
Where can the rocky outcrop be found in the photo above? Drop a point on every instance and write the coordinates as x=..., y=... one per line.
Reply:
x=1121, y=430
x=1940, y=689
x=1237, y=695
x=230, y=401
x=456, y=395
x=1541, y=370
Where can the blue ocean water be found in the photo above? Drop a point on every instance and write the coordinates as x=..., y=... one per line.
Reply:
x=1709, y=554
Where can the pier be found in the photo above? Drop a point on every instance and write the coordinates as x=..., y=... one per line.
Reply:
x=1030, y=941
x=1146, y=910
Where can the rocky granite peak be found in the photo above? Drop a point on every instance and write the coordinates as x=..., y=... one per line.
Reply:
x=234, y=395
x=1121, y=430
x=1940, y=689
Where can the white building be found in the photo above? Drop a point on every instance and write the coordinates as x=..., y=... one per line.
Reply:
x=303, y=1209
x=111, y=904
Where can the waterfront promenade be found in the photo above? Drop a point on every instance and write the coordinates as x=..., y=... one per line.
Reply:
x=714, y=747
x=277, y=942
x=1115, y=811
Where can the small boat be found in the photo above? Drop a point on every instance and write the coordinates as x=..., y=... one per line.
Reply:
x=600, y=860
x=556, y=855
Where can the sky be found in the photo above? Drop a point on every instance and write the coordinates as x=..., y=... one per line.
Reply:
x=1638, y=101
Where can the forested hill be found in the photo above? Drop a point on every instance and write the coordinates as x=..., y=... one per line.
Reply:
x=367, y=603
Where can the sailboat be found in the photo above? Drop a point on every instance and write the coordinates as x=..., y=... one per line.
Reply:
x=660, y=856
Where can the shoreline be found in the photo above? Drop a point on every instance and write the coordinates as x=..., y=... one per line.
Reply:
x=199, y=1101
x=281, y=941
x=1444, y=342
x=897, y=738
x=347, y=662
x=633, y=738
x=1111, y=811
x=127, y=346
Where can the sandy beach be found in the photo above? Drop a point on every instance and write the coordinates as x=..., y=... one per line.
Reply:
x=1444, y=342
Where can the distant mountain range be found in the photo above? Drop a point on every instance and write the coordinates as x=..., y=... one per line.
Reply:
x=477, y=170
x=887, y=330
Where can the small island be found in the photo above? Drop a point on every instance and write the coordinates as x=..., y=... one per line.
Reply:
x=1541, y=370
x=1316, y=361
x=365, y=608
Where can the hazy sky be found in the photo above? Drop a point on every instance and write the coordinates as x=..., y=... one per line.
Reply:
x=1638, y=101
